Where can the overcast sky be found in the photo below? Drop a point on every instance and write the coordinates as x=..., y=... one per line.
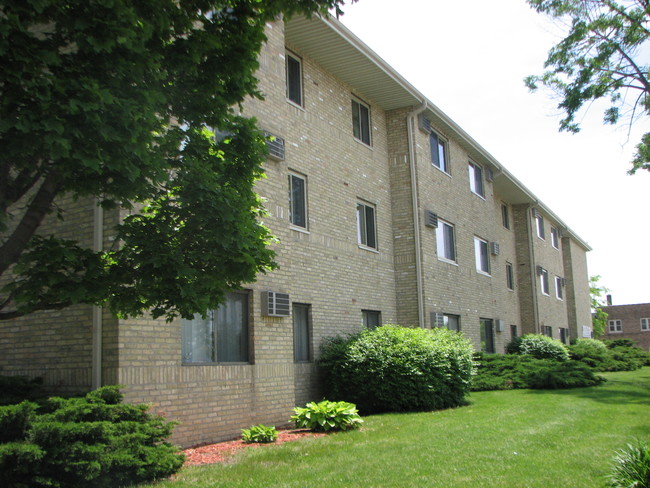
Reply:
x=469, y=57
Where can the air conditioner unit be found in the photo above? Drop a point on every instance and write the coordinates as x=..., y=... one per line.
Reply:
x=540, y=271
x=494, y=248
x=275, y=145
x=424, y=124
x=430, y=219
x=535, y=212
x=275, y=304
x=499, y=325
x=489, y=174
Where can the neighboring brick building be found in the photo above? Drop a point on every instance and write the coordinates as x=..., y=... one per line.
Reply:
x=386, y=212
x=629, y=322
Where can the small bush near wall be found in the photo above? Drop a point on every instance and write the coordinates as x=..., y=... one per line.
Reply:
x=397, y=369
x=618, y=355
x=539, y=346
x=503, y=372
x=325, y=416
x=80, y=442
x=15, y=389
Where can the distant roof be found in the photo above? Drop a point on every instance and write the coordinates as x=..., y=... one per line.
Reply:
x=334, y=47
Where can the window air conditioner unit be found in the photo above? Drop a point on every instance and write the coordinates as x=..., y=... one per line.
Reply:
x=499, y=325
x=540, y=271
x=534, y=212
x=275, y=145
x=494, y=248
x=424, y=124
x=275, y=304
x=489, y=174
x=430, y=219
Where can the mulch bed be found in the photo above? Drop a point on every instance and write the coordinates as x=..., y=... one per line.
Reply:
x=222, y=451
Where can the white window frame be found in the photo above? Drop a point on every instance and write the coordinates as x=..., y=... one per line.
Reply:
x=289, y=80
x=367, y=227
x=439, y=152
x=482, y=255
x=559, y=293
x=615, y=326
x=446, y=250
x=545, y=286
x=539, y=224
x=555, y=238
x=645, y=324
x=476, y=182
x=358, y=118
x=295, y=223
x=510, y=276
x=371, y=318
x=505, y=215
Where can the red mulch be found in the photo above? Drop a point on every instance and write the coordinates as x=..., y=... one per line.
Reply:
x=218, y=453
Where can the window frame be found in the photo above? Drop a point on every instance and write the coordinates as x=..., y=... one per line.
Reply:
x=482, y=256
x=505, y=215
x=486, y=331
x=440, y=145
x=559, y=293
x=547, y=330
x=305, y=202
x=615, y=326
x=539, y=225
x=555, y=238
x=288, y=79
x=215, y=348
x=358, y=121
x=447, y=319
x=645, y=320
x=565, y=335
x=545, y=285
x=366, y=227
x=514, y=331
x=302, y=333
x=367, y=315
x=510, y=276
x=442, y=242
x=476, y=181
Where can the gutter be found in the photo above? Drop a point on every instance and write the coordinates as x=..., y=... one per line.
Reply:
x=419, y=280
x=97, y=312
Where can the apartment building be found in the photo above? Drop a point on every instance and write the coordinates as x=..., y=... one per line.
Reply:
x=628, y=322
x=386, y=211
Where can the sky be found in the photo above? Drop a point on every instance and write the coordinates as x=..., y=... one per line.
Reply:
x=469, y=57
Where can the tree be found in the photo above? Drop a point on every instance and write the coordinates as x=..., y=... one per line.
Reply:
x=133, y=103
x=599, y=316
x=603, y=55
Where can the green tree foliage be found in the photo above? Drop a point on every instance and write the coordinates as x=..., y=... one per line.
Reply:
x=604, y=54
x=114, y=100
x=599, y=316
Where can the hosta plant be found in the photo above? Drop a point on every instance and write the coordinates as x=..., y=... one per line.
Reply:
x=260, y=434
x=326, y=415
x=631, y=467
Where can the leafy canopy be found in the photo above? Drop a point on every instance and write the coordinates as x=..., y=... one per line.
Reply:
x=133, y=104
x=604, y=54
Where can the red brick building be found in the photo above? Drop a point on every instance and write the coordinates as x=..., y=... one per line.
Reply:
x=630, y=322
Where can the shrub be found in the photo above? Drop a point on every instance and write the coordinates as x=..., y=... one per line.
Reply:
x=592, y=352
x=15, y=389
x=260, y=434
x=501, y=372
x=91, y=441
x=394, y=368
x=631, y=467
x=326, y=415
x=543, y=347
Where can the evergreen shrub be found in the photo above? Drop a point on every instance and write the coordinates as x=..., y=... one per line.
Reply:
x=91, y=441
x=592, y=352
x=396, y=369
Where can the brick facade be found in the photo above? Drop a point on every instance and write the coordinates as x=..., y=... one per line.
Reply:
x=628, y=319
x=322, y=265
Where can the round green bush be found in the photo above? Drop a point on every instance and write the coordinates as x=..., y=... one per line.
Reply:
x=543, y=347
x=398, y=369
x=592, y=352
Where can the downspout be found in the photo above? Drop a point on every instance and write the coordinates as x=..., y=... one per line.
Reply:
x=532, y=232
x=419, y=281
x=98, y=245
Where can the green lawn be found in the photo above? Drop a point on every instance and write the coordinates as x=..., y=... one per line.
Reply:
x=521, y=438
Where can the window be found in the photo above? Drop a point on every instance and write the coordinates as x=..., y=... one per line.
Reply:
x=298, y=200
x=371, y=319
x=539, y=222
x=301, y=333
x=451, y=322
x=513, y=332
x=222, y=337
x=482, y=256
x=361, y=121
x=543, y=280
x=615, y=325
x=645, y=324
x=487, y=335
x=559, y=291
x=294, y=79
x=476, y=179
x=445, y=241
x=505, y=215
x=564, y=335
x=555, y=238
x=547, y=330
x=510, y=276
x=438, y=152
x=366, y=227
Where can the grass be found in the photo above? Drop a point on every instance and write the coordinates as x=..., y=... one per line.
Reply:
x=517, y=438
